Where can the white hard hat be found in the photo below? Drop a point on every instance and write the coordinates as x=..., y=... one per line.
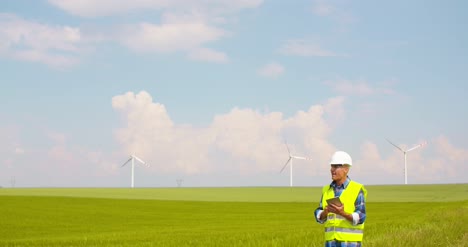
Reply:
x=340, y=157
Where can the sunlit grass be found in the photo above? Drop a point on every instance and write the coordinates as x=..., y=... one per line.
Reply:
x=123, y=221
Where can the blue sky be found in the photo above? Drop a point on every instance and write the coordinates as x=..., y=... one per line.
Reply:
x=208, y=91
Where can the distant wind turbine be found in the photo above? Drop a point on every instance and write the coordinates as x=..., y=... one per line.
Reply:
x=132, y=159
x=290, y=162
x=404, y=153
x=179, y=182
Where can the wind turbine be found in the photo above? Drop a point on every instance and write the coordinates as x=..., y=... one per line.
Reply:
x=13, y=182
x=179, y=182
x=290, y=162
x=132, y=159
x=404, y=153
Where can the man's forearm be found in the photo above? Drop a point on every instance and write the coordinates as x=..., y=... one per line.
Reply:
x=324, y=214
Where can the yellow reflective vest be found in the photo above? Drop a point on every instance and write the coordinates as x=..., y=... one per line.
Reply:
x=336, y=226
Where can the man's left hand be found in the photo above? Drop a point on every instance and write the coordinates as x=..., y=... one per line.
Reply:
x=336, y=209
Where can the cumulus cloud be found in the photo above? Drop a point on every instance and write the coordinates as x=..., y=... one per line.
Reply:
x=371, y=162
x=60, y=155
x=242, y=140
x=422, y=165
x=271, y=70
x=35, y=42
x=305, y=48
x=448, y=150
x=335, y=109
x=186, y=33
x=242, y=143
x=169, y=37
x=246, y=142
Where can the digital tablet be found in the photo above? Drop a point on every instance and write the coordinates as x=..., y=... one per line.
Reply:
x=335, y=201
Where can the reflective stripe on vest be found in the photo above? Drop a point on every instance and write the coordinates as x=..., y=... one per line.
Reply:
x=336, y=226
x=340, y=229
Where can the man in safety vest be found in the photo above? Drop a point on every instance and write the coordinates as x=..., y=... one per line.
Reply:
x=344, y=218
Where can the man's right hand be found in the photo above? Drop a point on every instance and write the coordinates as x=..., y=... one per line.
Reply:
x=324, y=213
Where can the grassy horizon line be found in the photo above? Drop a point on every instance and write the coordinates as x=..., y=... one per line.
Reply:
x=376, y=193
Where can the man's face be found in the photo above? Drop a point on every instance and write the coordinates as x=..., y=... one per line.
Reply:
x=338, y=172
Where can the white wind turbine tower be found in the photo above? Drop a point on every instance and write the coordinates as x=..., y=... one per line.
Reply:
x=132, y=159
x=290, y=162
x=404, y=153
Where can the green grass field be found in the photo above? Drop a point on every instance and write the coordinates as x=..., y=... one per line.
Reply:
x=413, y=215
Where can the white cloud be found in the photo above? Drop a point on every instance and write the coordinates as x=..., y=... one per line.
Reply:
x=90, y=8
x=334, y=9
x=245, y=142
x=241, y=141
x=449, y=151
x=335, y=110
x=186, y=33
x=35, y=42
x=358, y=87
x=185, y=26
x=271, y=70
x=169, y=37
x=60, y=155
x=422, y=165
x=209, y=55
x=305, y=48
x=62, y=46
x=371, y=161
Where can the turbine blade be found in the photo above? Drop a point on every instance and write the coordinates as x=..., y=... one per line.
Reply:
x=287, y=162
x=127, y=161
x=395, y=145
x=299, y=158
x=289, y=152
x=417, y=146
x=141, y=161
